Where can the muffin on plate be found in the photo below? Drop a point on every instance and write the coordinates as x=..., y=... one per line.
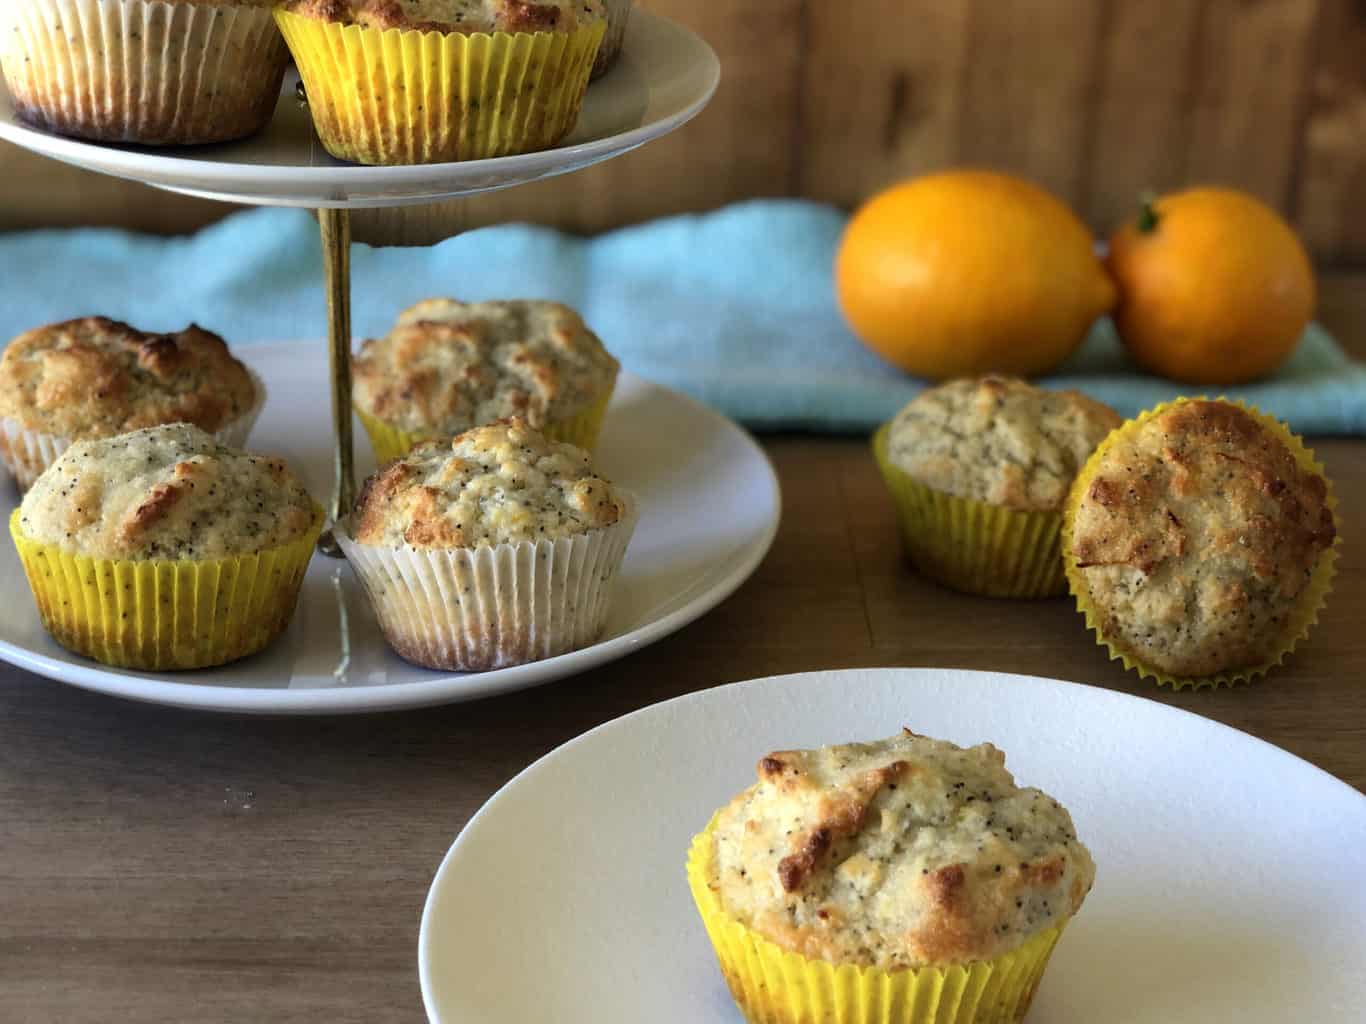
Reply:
x=494, y=549
x=449, y=366
x=1200, y=541
x=92, y=378
x=978, y=470
x=433, y=81
x=163, y=549
x=904, y=881
x=151, y=72
x=618, y=19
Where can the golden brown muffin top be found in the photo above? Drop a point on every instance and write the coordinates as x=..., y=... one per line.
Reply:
x=905, y=852
x=448, y=366
x=1195, y=535
x=500, y=484
x=998, y=440
x=97, y=377
x=169, y=492
x=468, y=16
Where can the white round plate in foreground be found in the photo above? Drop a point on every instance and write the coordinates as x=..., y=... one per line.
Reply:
x=1228, y=879
x=665, y=77
x=709, y=510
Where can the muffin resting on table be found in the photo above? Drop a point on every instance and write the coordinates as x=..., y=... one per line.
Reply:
x=152, y=72
x=979, y=470
x=163, y=549
x=449, y=366
x=618, y=20
x=1200, y=542
x=431, y=81
x=494, y=549
x=95, y=377
x=917, y=863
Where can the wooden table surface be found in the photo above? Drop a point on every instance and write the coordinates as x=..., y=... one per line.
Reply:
x=167, y=866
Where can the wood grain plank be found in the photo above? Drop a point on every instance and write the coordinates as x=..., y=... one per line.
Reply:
x=1141, y=106
x=1248, y=91
x=40, y=193
x=924, y=85
x=881, y=95
x=1331, y=199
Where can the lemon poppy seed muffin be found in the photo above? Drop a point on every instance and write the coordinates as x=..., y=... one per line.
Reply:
x=435, y=81
x=1196, y=537
x=978, y=470
x=500, y=484
x=900, y=853
x=905, y=880
x=151, y=72
x=497, y=548
x=449, y=366
x=162, y=549
x=95, y=377
x=169, y=492
x=466, y=16
x=999, y=440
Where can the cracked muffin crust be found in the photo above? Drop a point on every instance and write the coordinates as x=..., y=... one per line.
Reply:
x=467, y=16
x=900, y=853
x=1195, y=535
x=97, y=377
x=169, y=492
x=999, y=440
x=500, y=484
x=449, y=366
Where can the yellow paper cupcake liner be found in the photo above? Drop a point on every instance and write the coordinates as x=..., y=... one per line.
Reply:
x=411, y=97
x=971, y=545
x=1301, y=619
x=389, y=442
x=772, y=985
x=165, y=615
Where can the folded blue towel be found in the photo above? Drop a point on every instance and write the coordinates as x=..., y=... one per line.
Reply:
x=735, y=307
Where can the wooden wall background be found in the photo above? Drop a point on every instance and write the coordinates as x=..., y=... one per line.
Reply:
x=830, y=99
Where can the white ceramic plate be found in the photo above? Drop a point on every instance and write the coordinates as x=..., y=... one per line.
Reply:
x=665, y=76
x=1229, y=883
x=709, y=511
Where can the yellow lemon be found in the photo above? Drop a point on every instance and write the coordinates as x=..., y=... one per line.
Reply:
x=969, y=272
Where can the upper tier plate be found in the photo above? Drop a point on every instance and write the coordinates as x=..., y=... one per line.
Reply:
x=665, y=76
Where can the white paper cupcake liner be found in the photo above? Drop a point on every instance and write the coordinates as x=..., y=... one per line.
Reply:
x=471, y=610
x=618, y=18
x=27, y=453
x=142, y=71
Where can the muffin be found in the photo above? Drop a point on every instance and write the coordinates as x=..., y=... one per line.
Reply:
x=902, y=881
x=164, y=549
x=979, y=470
x=143, y=71
x=1200, y=542
x=494, y=549
x=93, y=378
x=618, y=18
x=433, y=81
x=449, y=366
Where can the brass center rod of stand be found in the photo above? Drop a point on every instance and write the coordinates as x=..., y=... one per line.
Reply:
x=336, y=234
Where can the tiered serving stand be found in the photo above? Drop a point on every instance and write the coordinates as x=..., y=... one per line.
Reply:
x=665, y=77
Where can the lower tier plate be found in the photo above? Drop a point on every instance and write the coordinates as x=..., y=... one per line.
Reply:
x=709, y=510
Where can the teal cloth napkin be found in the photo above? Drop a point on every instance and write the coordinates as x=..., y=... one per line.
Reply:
x=736, y=307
